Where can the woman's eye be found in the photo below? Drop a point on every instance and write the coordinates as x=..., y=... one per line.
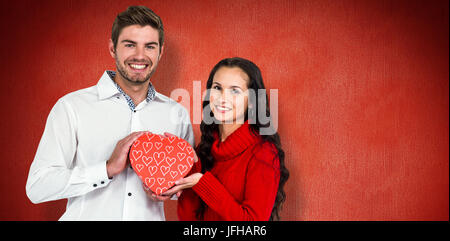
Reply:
x=235, y=91
x=216, y=87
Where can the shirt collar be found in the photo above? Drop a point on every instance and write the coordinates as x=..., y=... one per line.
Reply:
x=107, y=88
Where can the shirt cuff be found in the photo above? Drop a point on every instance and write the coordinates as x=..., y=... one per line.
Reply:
x=97, y=175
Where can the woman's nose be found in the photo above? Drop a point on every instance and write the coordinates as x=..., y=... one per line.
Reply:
x=223, y=97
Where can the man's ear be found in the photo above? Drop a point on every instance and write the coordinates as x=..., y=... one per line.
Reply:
x=161, y=52
x=111, y=48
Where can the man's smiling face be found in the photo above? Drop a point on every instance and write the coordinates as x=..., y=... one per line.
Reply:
x=137, y=53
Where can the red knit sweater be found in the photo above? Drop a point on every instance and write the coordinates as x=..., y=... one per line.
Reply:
x=243, y=183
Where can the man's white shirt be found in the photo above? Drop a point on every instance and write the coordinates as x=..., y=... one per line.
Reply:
x=80, y=135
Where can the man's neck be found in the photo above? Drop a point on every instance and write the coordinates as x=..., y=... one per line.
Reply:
x=137, y=92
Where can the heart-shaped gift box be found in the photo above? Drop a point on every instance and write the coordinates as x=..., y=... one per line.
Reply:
x=159, y=161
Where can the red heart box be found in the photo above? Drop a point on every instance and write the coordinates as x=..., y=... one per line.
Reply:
x=160, y=161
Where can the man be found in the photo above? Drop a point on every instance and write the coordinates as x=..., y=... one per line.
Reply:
x=83, y=153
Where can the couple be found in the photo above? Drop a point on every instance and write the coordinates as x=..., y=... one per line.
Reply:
x=83, y=153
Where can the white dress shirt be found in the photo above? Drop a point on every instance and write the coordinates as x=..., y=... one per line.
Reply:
x=80, y=135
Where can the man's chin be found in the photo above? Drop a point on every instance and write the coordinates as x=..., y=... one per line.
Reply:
x=137, y=81
x=135, y=78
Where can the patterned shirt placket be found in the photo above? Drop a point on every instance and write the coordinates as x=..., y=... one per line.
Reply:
x=150, y=93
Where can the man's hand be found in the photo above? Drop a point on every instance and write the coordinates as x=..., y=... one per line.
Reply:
x=119, y=158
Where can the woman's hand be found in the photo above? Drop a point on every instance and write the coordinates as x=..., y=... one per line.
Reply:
x=184, y=183
x=157, y=198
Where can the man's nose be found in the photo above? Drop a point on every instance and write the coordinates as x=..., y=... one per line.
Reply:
x=140, y=53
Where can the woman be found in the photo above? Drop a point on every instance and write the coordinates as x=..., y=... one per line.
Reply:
x=241, y=174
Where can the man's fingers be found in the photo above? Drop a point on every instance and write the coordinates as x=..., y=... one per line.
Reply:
x=195, y=158
x=160, y=198
x=179, y=193
x=167, y=134
x=131, y=138
x=125, y=140
x=136, y=135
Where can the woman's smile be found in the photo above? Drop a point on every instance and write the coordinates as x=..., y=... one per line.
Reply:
x=222, y=109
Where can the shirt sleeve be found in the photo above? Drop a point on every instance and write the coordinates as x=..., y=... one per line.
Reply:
x=261, y=187
x=52, y=174
x=187, y=132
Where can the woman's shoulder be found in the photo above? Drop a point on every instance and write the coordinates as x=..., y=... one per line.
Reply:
x=267, y=153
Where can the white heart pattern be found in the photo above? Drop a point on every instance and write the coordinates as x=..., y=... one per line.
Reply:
x=166, y=159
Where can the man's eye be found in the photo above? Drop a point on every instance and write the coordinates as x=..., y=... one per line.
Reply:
x=151, y=47
x=129, y=45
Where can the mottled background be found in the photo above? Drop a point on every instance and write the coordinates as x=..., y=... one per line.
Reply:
x=363, y=90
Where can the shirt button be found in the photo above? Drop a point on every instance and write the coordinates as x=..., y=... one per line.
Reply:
x=134, y=111
x=102, y=182
x=129, y=194
x=95, y=185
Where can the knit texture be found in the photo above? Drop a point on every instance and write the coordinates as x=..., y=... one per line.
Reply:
x=243, y=183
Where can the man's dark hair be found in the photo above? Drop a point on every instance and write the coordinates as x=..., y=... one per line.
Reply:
x=140, y=15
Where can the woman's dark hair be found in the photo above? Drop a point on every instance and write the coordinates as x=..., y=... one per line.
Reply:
x=255, y=83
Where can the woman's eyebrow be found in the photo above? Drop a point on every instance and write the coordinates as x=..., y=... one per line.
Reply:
x=229, y=87
x=235, y=86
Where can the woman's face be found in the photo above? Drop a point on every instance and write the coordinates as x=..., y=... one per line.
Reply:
x=229, y=95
